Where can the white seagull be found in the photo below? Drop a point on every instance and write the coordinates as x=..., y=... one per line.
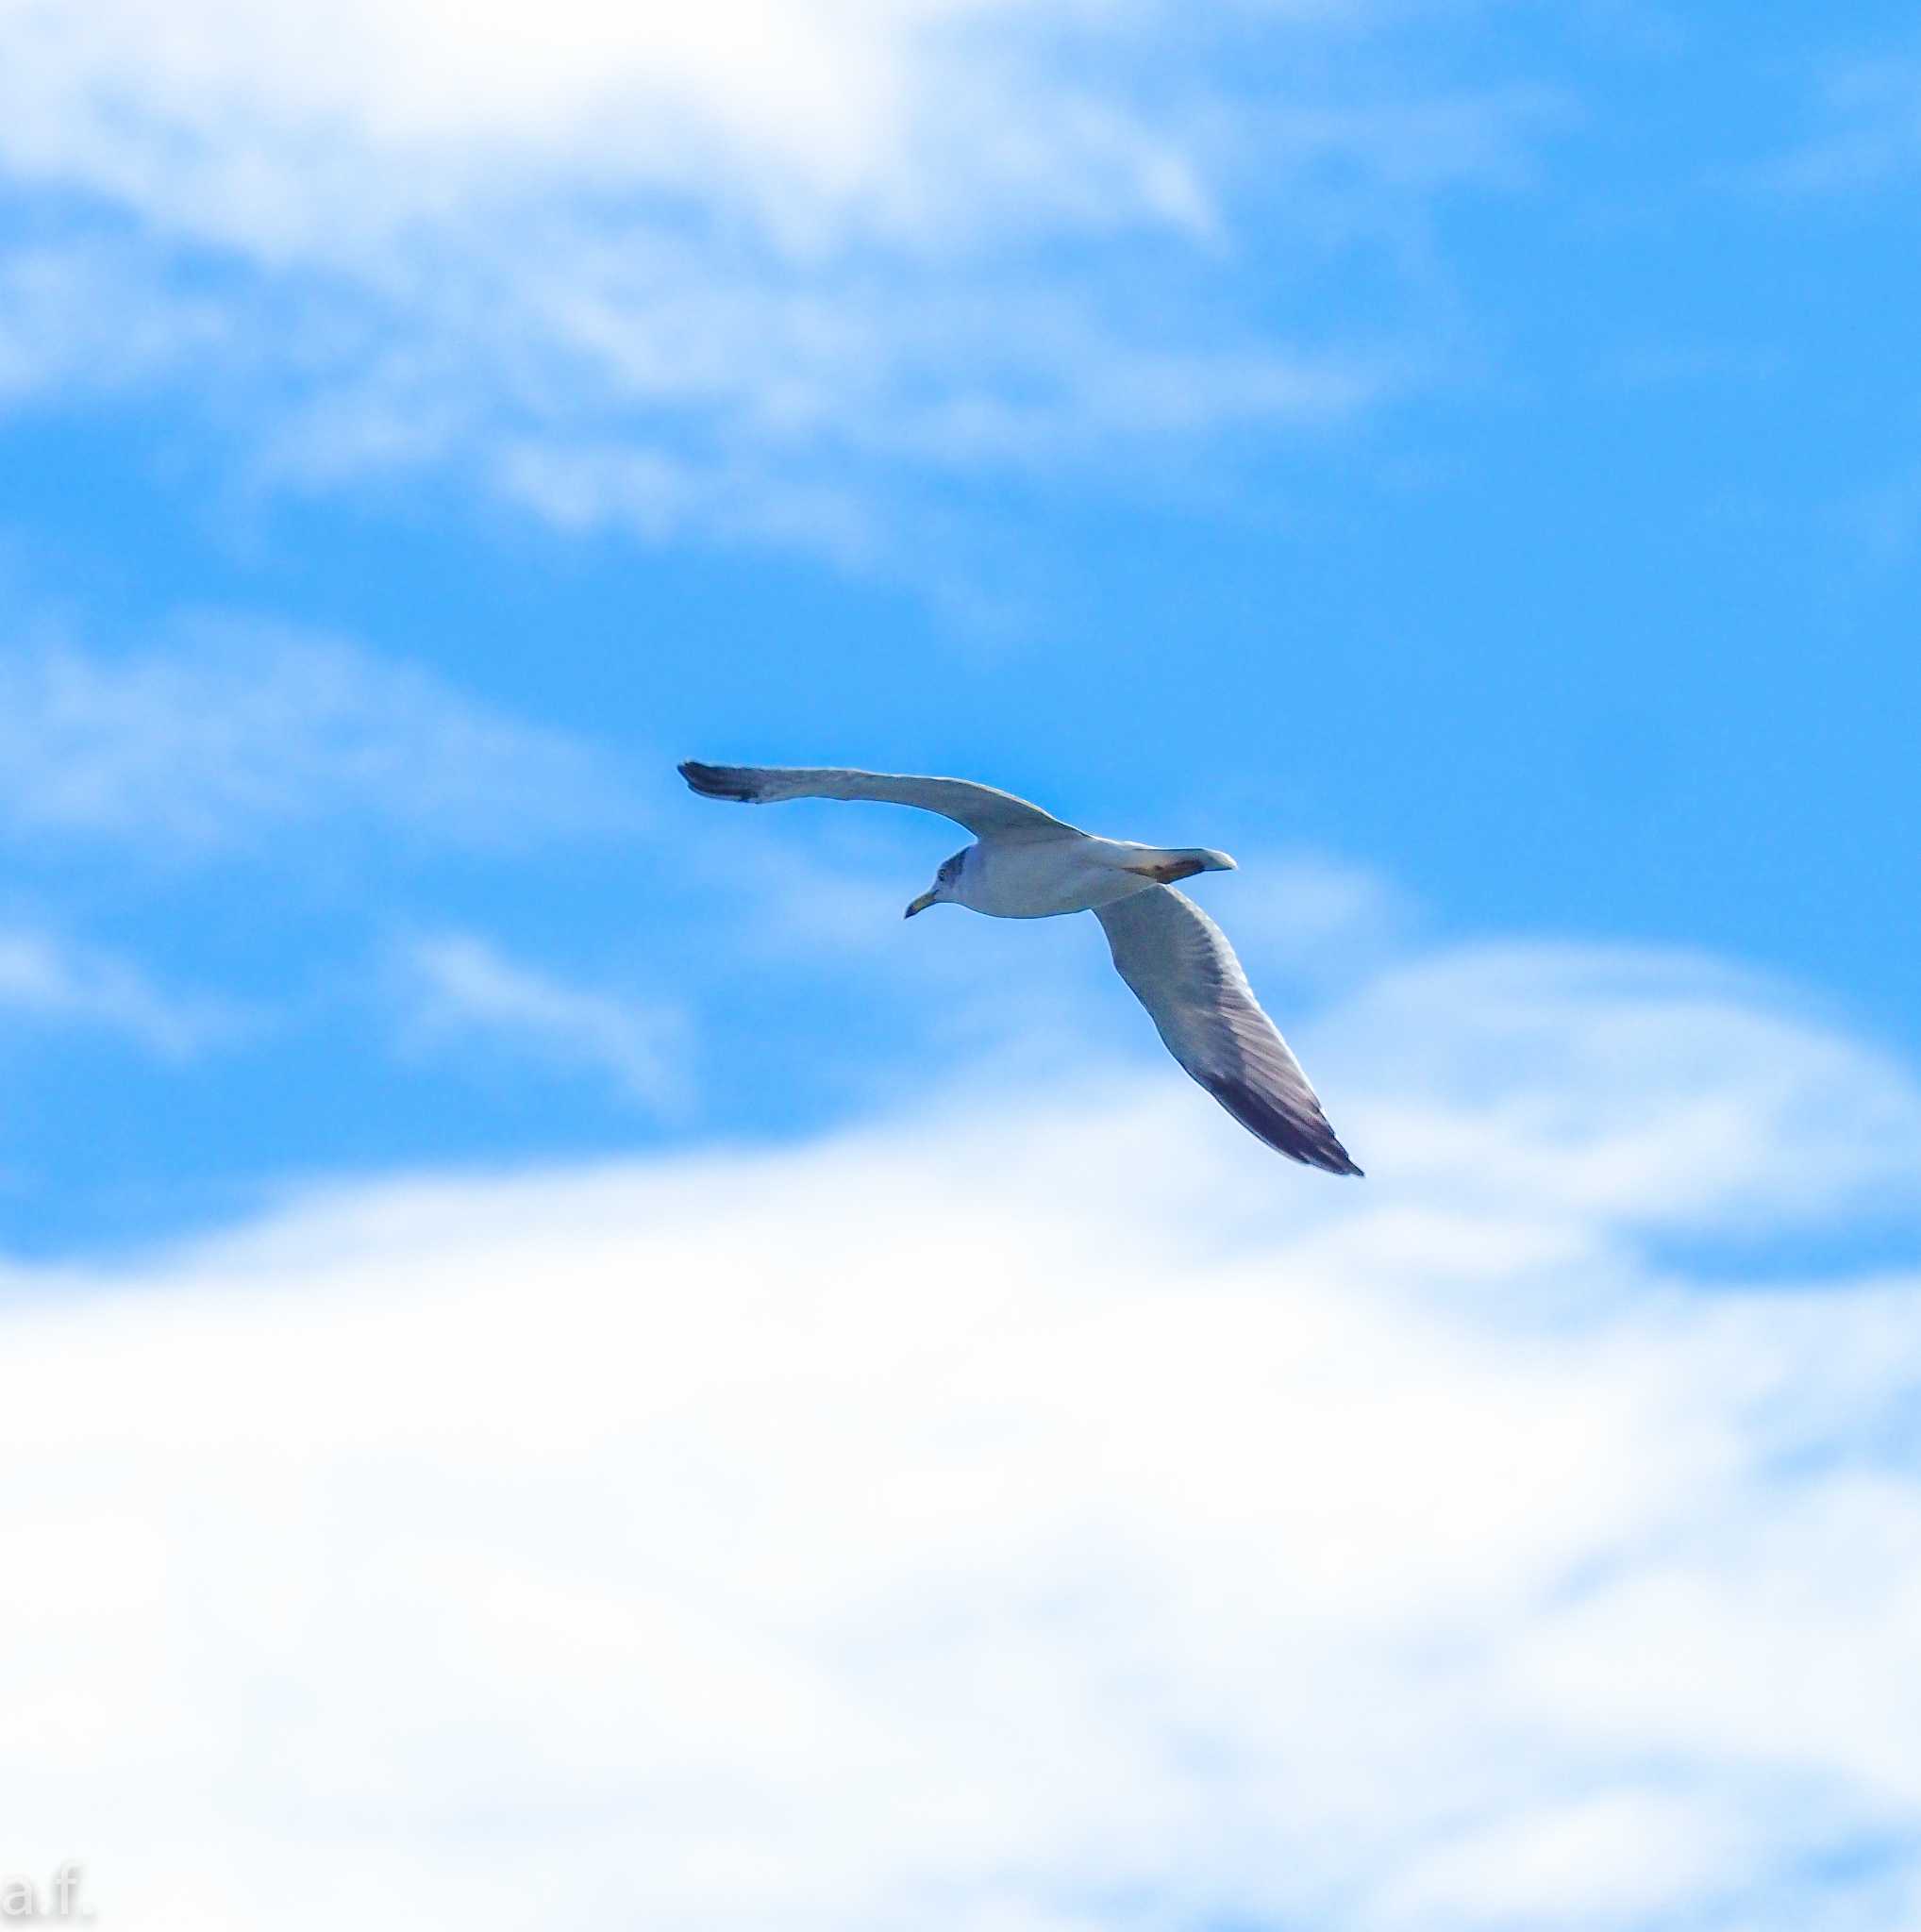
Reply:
x=1027, y=864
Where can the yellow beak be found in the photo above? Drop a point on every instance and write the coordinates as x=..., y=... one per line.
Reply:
x=920, y=905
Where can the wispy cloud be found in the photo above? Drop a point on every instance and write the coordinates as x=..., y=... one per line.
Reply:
x=1884, y=520
x=84, y=314
x=1869, y=131
x=235, y=731
x=52, y=981
x=725, y=274
x=458, y=989
x=1047, y=1517
x=1675, y=1089
x=1311, y=914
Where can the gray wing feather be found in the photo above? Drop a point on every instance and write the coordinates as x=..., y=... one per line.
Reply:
x=1183, y=970
x=985, y=812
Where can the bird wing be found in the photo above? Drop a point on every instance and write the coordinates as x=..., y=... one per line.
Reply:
x=985, y=812
x=1183, y=970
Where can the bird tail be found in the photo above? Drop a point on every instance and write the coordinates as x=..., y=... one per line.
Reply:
x=1166, y=865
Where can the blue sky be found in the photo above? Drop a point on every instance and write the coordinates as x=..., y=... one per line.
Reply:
x=1489, y=463
x=1461, y=459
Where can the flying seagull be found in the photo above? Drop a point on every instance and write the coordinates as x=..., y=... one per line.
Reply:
x=1025, y=863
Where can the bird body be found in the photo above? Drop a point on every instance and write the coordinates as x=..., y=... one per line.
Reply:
x=1025, y=863
x=1065, y=872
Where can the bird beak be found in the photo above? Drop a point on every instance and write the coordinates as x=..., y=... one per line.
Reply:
x=920, y=905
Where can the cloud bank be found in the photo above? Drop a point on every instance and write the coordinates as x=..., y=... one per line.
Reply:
x=1039, y=1517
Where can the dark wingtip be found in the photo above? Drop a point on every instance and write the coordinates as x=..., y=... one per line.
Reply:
x=713, y=781
x=1310, y=1141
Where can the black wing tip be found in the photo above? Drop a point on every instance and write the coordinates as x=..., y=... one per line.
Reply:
x=1310, y=1140
x=1330, y=1158
x=716, y=781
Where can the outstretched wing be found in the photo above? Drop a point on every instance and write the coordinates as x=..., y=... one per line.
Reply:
x=1184, y=971
x=985, y=812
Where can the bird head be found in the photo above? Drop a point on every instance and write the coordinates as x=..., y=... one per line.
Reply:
x=947, y=886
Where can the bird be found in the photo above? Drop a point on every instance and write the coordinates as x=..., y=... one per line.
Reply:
x=1025, y=863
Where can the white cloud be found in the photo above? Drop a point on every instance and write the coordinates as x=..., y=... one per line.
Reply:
x=237, y=730
x=1048, y=1520
x=1667, y=1088
x=1614, y=1857
x=259, y=123
x=459, y=988
x=50, y=981
x=733, y=271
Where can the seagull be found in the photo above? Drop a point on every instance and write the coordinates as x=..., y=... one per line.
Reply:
x=1025, y=863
